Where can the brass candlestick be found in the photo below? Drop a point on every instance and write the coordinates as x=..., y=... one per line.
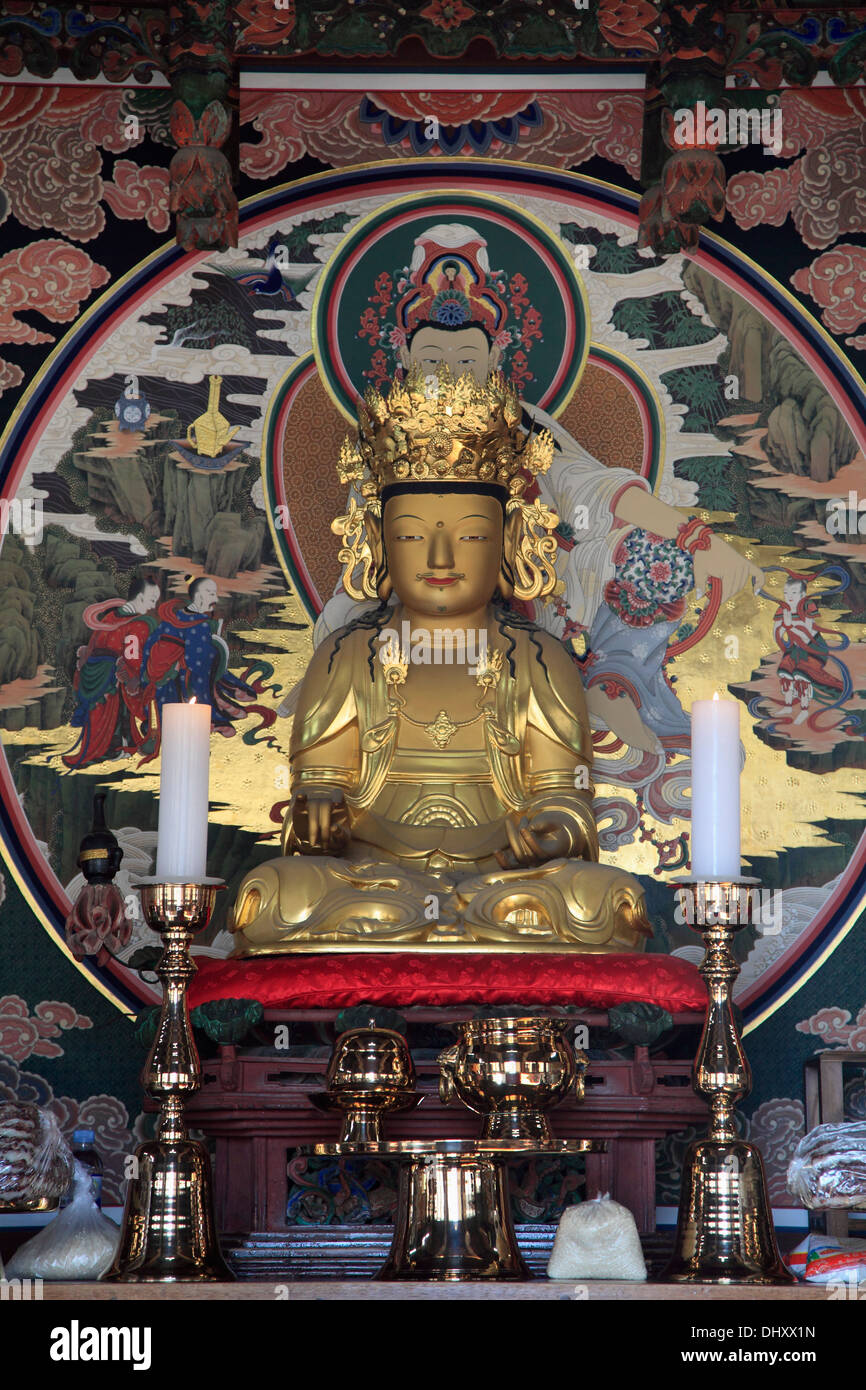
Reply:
x=725, y=1229
x=168, y=1228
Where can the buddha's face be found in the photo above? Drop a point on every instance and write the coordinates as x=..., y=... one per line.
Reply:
x=443, y=550
x=467, y=350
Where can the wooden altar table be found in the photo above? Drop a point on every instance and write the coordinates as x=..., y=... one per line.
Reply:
x=257, y=1109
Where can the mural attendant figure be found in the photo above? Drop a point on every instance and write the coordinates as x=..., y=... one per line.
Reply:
x=112, y=695
x=186, y=657
x=804, y=664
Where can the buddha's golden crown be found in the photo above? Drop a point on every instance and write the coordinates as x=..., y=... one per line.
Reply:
x=435, y=427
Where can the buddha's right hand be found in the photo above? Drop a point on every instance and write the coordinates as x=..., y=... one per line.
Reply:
x=548, y=831
x=531, y=843
x=319, y=823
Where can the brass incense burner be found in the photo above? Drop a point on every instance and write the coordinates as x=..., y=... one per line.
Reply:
x=510, y=1071
x=370, y=1072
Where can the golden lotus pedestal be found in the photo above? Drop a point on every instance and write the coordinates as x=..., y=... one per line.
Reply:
x=453, y=1219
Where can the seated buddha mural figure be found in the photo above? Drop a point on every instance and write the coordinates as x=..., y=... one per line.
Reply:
x=632, y=555
x=441, y=755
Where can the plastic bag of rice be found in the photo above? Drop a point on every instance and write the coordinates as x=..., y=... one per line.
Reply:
x=597, y=1240
x=79, y=1243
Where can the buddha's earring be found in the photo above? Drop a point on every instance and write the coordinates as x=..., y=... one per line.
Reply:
x=535, y=551
x=356, y=551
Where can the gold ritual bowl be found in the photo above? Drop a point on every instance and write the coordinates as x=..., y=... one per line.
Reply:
x=510, y=1071
x=370, y=1072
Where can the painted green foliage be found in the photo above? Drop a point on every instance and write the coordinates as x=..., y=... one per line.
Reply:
x=663, y=319
x=606, y=254
x=702, y=390
x=712, y=475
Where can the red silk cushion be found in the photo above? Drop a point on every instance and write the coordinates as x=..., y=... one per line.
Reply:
x=338, y=981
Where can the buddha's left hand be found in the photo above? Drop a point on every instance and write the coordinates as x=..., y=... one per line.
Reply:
x=318, y=823
x=535, y=839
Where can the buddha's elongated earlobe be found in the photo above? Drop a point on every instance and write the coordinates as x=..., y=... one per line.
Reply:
x=510, y=540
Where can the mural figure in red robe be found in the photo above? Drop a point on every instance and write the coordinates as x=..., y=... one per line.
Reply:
x=113, y=701
x=804, y=667
x=186, y=657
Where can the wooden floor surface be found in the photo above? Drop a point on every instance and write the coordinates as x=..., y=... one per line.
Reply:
x=362, y=1289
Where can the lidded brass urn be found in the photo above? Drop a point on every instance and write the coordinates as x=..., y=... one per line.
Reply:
x=511, y=1071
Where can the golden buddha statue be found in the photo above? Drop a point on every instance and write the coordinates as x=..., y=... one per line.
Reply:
x=441, y=753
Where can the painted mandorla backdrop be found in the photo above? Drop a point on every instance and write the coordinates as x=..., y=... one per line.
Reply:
x=178, y=449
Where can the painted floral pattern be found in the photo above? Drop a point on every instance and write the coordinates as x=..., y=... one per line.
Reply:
x=264, y=23
x=628, y=25
x=652, y=576
x=447, y=14
x=328, y=125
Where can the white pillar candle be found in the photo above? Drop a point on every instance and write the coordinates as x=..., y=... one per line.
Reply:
x=181, y=850
x=716, y=789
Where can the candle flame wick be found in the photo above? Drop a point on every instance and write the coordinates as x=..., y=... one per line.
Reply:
x=716, y=695
x=192, y=701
